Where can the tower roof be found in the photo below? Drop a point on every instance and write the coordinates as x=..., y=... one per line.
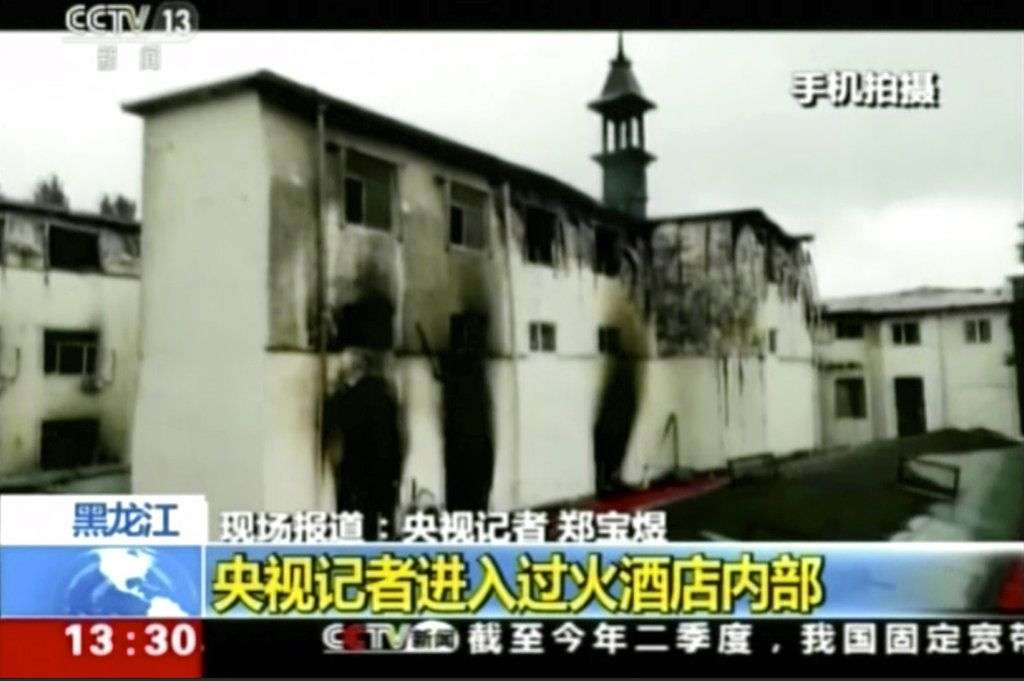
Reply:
x=621, y=92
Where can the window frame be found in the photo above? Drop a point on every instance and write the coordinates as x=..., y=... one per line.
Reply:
x=363, y=167
x=465, y=208
x=858, y=335
x=353, y=177
x=53, y=228
x=609, y=339
x=541, y=333
x=978, y=331
x=89, y=349
x=900, y=335
x=851, y=403
x=611, y=264
x=550, y=244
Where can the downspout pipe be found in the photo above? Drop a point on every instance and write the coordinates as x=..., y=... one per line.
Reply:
x=506, y=201
x=320, y=297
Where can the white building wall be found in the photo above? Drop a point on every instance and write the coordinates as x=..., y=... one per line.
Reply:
x=980, y=385
x=30, y=302
x=202, y=412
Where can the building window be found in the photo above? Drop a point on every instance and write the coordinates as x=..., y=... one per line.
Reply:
x=978, y=330
x=773, y=340
x=467, y=225
x=540, y=236
x=606, y=251
x=69, y=443
x=608, y=341
x=906, y=333
x=846, y=330
x=368, y=186
x=542, y=337
x=850, y=398
x=467, y=331
x=71, y=249
x=70, y=353
x=354, y=201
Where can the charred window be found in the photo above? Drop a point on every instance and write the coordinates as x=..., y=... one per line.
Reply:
x=849, y=330
x=70, y=353
x=467, y=225
x=364, y=324
x=369, y=185
x=468, y=331
x=850, y=401
x=906, y=333
x=541, y=227
x=542, y=337
x=608, y=340
x=71, y=249
x=68, y=443
x=606, y=251
x=354, y=200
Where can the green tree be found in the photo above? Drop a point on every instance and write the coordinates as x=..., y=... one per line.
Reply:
x=50, y=192
x=120, y=207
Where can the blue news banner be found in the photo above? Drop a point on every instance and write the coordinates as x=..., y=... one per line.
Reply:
x=131, y=585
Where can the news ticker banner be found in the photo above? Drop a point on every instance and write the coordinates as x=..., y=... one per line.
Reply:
x=132, y=585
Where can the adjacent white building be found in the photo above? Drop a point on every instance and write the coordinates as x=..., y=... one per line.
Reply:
x=69, y=310
x=901, y=363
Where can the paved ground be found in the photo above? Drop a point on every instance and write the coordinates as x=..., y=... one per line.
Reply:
x=854, y=495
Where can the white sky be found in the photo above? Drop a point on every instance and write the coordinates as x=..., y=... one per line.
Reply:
x=896, y=198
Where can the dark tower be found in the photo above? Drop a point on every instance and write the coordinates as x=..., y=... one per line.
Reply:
x=623, y=157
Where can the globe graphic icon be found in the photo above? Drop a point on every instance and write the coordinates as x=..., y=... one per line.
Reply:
x=139, y=582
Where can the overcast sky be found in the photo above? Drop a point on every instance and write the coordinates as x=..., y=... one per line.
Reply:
x=896, y=198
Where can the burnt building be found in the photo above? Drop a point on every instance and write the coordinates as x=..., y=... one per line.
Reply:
x=284, y=224
x=69, y=297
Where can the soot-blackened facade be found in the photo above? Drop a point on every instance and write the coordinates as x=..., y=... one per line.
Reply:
x=287, y=224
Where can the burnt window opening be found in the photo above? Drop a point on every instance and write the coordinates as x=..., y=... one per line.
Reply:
x=542, y=337
x=133, y=246
x=354, y=200
x=467, y=221
x=606, y=251
x=541, y=227
x=773, y=341
x=468, y=332
x=978, y=330
x=363, y=324
x=850, y=402
x=369, y=189
x=609, y=340
x=69, y=443
x=70, y=353
x=906, y=333
x=71, y=249
x=849, y=330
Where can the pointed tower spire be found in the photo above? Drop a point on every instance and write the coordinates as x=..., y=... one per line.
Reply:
x=623, y=156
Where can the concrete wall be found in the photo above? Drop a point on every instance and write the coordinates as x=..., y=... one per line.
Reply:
x=966, y=385
x=202, y=412
x=31, y=301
